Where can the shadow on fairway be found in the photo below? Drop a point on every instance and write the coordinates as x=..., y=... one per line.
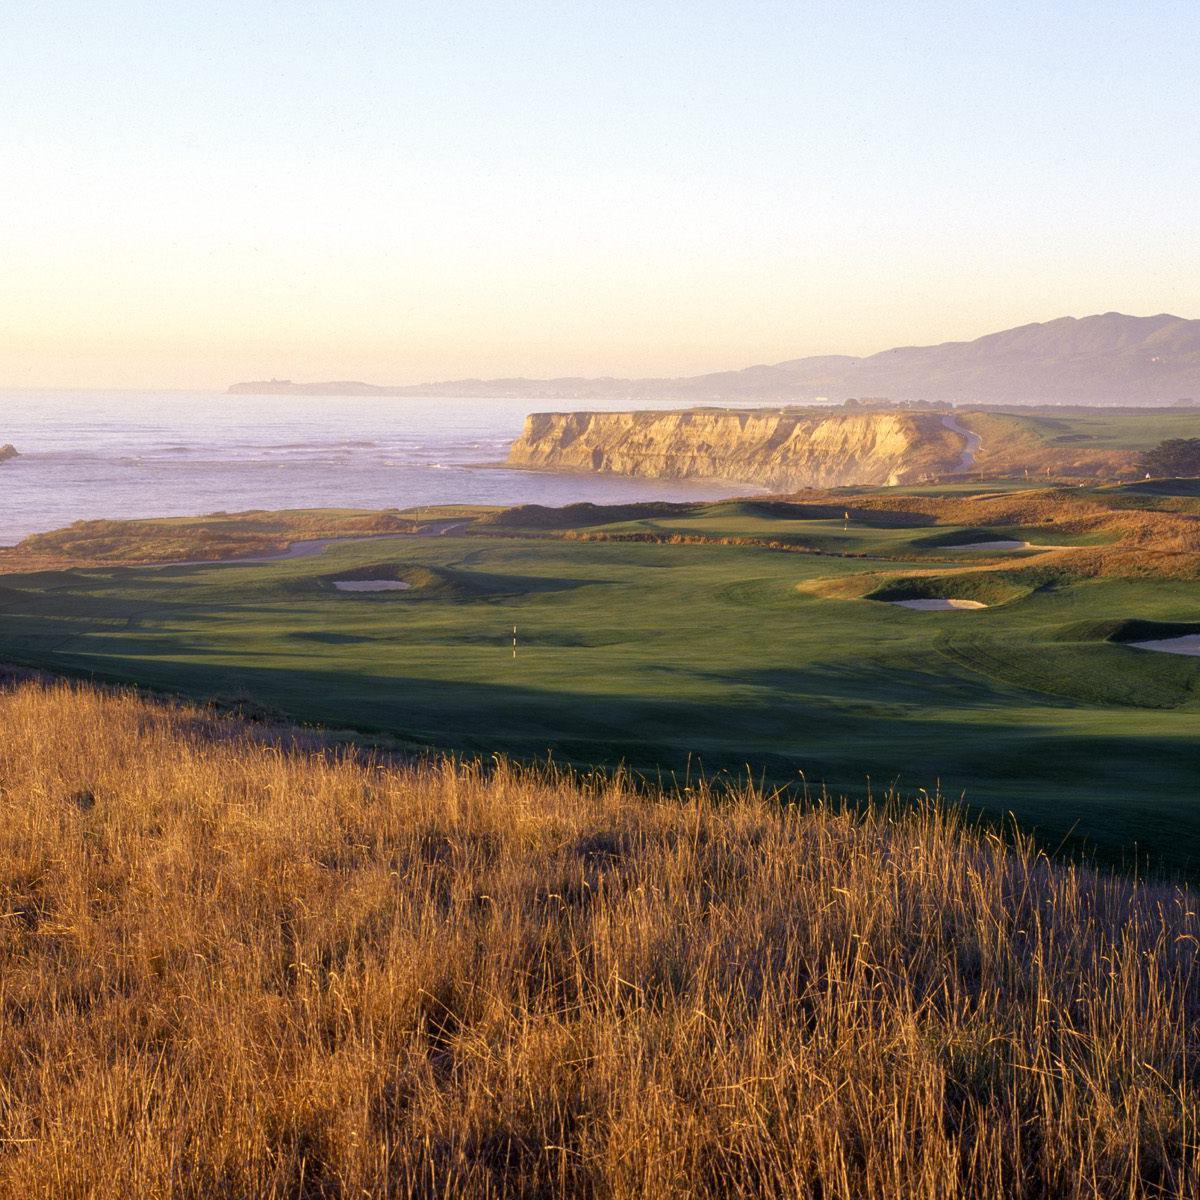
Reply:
x=1043, y=779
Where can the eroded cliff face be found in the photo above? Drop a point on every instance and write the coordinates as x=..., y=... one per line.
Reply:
x=777, y=448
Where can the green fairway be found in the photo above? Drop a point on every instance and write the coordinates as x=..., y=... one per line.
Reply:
x=723, y=656
x=1137, y=428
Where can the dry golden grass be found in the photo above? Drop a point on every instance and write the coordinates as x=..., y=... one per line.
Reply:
x=1129, y=541
x=210, y=538
x=233, y=966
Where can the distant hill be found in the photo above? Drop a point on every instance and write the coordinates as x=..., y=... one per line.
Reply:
x=1105, y=359
x=285, y=387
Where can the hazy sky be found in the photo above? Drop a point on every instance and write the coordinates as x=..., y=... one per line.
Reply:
x=196, y=192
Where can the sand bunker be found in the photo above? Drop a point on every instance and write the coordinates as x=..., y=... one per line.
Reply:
x=937, y=604
x=1007, y=546
x=371, y=585
x=1188, y=644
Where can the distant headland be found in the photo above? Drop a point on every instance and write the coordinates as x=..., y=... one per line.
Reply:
x=1110, y=358
x=285, y=387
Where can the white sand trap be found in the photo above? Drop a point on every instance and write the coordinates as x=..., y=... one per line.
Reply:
x=371, y=585
x=936, y=605
x=1188, y=644
x=1007, y=545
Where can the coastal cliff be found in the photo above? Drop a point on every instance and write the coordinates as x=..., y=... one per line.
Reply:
x=7, y=451
x=777, y=448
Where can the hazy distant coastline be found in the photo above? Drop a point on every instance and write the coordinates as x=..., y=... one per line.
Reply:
x=1105, y=359
x=87, y=455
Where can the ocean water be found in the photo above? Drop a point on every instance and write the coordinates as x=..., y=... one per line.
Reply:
x=86, y=455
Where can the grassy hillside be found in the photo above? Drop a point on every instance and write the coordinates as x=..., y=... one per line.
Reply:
x=209, y=538
x=236, y=965
x=1116, y=428
x=684, y=641
x=1072, y=442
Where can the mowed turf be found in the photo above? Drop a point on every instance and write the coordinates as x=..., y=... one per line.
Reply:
x=681, y=657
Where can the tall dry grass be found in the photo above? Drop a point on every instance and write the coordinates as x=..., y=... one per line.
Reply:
x=236, y=968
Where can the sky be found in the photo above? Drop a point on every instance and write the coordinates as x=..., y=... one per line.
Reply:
x=196, y=193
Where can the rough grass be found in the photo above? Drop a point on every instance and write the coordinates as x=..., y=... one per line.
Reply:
x=1115, y=535
x=1112, y=537
x=574, y=516
x=1122, y=541
x=236, y=965
x=209, y=538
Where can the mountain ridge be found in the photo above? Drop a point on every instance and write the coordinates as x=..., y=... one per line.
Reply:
x=1107, y=358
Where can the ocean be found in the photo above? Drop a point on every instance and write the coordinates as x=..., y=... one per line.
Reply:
x=86, y=455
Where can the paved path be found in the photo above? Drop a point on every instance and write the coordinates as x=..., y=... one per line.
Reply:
x=974, y=441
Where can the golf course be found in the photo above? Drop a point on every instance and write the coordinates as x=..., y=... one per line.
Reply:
x=772, y=639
